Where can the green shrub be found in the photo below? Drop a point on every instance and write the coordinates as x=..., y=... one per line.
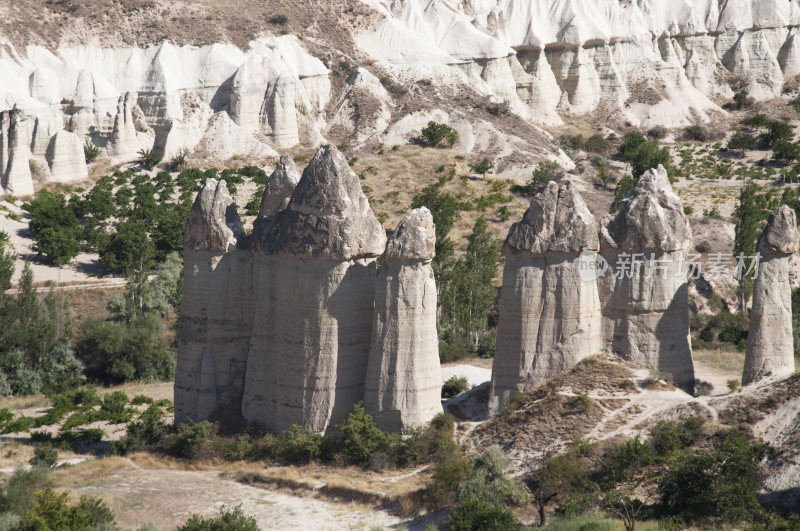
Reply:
x=436, y=133
x=723, y=482
x=447, y=476
x=453, y=351
x=360, y=437
x=148, y=158
x=297, y=445
x=476, y=513
x=454, y=386
x=90, y=151
x=657, y=133
x=44, y=455
x=178, y=162
x=18, y=493
x=733, y=385
x=53, y=512
x=145, y=433
x=482, y=167
x=141, y=399
x=227, y=520
x=488, y=480
x=597, y=144
x=114, y=408
x=668, y=436
x=499, y=108
x=698, y=132
x=628, y=459
x=545, y=172
x=433, y=440
x=191, y=438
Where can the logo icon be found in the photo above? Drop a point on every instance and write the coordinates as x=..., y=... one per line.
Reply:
x=591, y=266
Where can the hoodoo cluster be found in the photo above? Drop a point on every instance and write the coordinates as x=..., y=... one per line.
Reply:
x=294, y=324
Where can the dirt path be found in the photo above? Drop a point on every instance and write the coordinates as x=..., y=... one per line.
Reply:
x=167, y=498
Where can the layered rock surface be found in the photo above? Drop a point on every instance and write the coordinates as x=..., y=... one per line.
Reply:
x=403, y=378
x=770, y=346
x=15, y=153
x=215, y=311
x=66, y=158
x=326, y=244
x=645, y=292
x=550, y=315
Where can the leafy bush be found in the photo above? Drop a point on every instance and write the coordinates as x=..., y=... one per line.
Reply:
x=545, y=172
x=698, y=132
x=723, y=482
x=667, y=436
x=742, y=141
x=435, y=133
x=657, y=133
x=476, y=513
x=148, y=158
x=360, y=437
x=597, y=144
x=482, y=167
x=116, y=352
x=488, y=481
x=227, y=520
x=785, y=151
x=44, y=455
x=447, y=476
x=733, y=385
x=757, y=120
x=141, y=399
x=454, y=386
x=18, y=493
x=53, y=511
x=178, y=162
x=190, y=438
x=499, y=108
x=90, y=151
x=298, y=446
x=142, y=434
x=435, y=439
x=114, y=408
x=628, y=459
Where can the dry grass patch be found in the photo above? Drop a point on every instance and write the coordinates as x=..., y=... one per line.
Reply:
x=728, y=360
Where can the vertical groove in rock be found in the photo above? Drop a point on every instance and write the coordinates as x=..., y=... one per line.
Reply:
x=550, y=314
x=646, y=306
x=770, y=346
x=326, y=243
x=403, y=382
x=215, y=314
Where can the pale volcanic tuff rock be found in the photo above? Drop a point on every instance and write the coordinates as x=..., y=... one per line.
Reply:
x=645, y=292
x=770, y=349
x=124, y=143
x=550, y=314
x=403, y=381
x=216, y=309
x=327, y=242
x=66, y=158
x=15, y=134
x=276, y=198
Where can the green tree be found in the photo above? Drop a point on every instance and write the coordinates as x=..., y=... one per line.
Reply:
x=742, y=142
x=435, y=133
x=545, y=172
x=129, y=250
x=482, y=167
x=777, y=131
x=55, y=225
x=750, y=215
x=471, y=291
x=53, y=512
x=757, y=121
x=785, y=151
x=476, y=513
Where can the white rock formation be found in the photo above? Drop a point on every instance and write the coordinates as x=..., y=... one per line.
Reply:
x=770, y=344
x=655, y=63
x=326, y=244
x=124, y=143
x=274, y=90
x=403, y=383
x=15, y=134
x=66, y=158
x=550, y=316
x=365, y=108
x=215, y=311
x=276, y=198
x=644, y=294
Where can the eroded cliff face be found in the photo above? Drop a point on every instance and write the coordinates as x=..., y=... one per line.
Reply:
x=655, y=63
x=770, y=349
x=644, y=293
x=215, y=100
x=549, y=308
